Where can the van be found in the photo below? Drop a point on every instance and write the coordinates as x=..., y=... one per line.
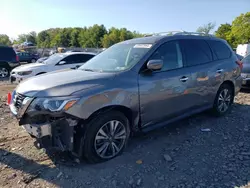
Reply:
x=243, y=49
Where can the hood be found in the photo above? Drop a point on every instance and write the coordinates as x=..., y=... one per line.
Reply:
x=62, y=83
x=29, y=67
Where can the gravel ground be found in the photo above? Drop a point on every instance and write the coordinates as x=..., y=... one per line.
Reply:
x=201, y=151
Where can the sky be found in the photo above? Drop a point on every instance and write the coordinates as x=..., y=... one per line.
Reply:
x=144, y=16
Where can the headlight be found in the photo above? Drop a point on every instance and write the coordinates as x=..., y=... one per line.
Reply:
x=57, y=104
x=24, y=73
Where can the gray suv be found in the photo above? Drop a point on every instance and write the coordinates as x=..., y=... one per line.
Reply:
x=135, y=85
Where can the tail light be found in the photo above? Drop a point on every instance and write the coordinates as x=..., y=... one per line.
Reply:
x=8, y=98
x=17, y=58
x=240, y=63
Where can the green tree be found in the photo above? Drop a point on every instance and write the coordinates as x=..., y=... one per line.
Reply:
x=241, y=29
x=225, y=32
x=31, y=37
x=207, y=28
x=74, y=37
x=21, y=38
x=43, y=39
x=5, y=40
x=91, y=37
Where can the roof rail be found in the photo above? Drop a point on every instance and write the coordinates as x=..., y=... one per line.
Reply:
x=181, y=32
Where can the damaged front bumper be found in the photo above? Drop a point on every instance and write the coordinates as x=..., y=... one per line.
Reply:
x=59, y=131
x=58, y=134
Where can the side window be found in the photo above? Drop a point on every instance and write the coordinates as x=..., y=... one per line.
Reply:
x=71, y=59
x=171, y=55
x=85, y=57
x=220, y=49
x=196, y=51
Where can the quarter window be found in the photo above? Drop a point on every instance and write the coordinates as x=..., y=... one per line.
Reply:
x=220, y=49
x=170, y=54
x=196, y=52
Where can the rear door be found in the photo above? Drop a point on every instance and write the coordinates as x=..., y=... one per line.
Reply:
x=82, y=58
x=199, y=62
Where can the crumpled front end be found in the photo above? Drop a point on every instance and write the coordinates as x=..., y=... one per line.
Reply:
x=57, y=130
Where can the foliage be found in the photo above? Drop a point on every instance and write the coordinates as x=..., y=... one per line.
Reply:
x=5, y=40
x=236, y=33
x=207, y=28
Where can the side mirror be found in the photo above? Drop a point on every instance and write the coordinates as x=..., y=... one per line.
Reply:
x=155, y=64
x=62, y=62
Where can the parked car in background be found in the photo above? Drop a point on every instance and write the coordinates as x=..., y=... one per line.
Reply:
x=54, y=62
x=246, y=72
x=243, y=49
x=135, y=85
x=8, y=61
x=27, y=57
x=40, y=60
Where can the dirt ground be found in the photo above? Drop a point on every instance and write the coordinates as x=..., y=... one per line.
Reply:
x=201, y=151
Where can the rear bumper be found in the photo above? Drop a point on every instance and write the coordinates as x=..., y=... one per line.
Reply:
x=14, y=65
x=238, y=84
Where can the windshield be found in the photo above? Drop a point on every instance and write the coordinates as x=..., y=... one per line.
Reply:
x=118, y=57
x=55, y=58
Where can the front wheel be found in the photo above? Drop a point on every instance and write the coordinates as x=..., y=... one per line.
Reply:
x=106, y=137
x=224, y=100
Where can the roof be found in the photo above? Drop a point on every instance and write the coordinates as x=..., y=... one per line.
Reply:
x=154, y=38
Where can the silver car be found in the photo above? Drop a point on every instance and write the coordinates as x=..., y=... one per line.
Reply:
x=135, y=85
x=246, y=72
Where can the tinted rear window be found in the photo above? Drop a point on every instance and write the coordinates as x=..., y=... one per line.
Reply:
x=7, y=53
x=196, y=52
x=220, y=49
x=86, y=57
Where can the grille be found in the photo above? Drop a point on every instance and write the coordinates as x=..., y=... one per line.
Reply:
x=18, y=100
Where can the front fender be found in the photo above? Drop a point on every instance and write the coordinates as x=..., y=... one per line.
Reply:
x=115, y=97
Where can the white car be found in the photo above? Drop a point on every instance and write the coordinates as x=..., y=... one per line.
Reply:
x=55, y=62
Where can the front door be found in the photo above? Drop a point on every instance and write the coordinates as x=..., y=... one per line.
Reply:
x=165, y=93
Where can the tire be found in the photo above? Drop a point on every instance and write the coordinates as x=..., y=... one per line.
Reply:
x=33, y=60
x=4, y=72
x=223, y=100
x=96, y=149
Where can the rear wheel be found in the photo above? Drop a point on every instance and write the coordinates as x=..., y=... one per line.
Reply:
x=224, y=100
x=106, y=137
x=33, y=60
x=4, y=72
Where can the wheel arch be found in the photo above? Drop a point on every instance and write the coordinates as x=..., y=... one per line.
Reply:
x=133, y=117
x=230, y=83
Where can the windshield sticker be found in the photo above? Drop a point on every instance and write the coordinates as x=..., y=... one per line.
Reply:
x=142, y=46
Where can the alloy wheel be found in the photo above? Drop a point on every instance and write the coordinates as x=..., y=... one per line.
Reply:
x=224, y=100
x=110, y=139
x=3, y=72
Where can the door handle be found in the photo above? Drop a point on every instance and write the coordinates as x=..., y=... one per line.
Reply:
x=184, y=79
x=219, y=70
